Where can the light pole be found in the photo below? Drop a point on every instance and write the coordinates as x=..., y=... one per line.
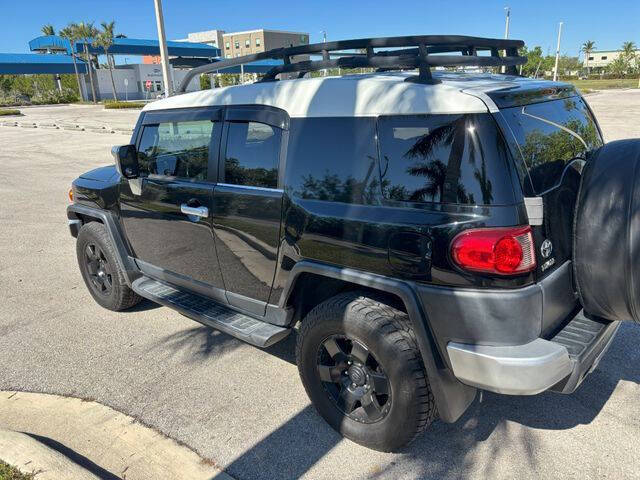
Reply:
x=555, y=69
x=324, y=40
x=506, y=26
x=164, y=54
x=507, y=10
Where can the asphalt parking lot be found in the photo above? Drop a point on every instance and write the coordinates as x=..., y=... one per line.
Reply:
x=242, y=407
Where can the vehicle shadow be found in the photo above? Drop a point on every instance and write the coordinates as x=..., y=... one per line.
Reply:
x=447, y=450
x=144, y=306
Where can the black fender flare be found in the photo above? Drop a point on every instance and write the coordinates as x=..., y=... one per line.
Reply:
x=452, y=397
x=78, y=212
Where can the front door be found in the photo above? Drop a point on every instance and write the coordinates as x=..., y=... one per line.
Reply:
x=166, y=213
x=247, y=203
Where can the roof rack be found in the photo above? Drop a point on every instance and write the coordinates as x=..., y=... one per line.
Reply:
x=409, y=52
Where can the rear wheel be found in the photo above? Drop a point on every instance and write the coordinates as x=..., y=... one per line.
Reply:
x=361, y=367
x=100, y=270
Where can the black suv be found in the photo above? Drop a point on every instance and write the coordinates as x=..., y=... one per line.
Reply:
x=420, y=231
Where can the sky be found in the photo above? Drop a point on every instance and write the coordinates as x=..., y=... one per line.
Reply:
x=607, y=22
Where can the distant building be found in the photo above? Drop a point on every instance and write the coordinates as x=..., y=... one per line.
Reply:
x=601, y=59
x=238, y=44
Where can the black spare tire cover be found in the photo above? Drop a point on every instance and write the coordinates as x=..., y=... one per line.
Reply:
x=606, y=248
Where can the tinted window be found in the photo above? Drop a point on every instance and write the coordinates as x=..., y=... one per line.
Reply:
x=546, y=147
x=252, y=155
x=333, y=159
x=177, y=149
x=443, y=158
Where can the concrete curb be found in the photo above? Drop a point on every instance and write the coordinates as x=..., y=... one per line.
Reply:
x=104, y=442
x=30, y=456
x=66, y=126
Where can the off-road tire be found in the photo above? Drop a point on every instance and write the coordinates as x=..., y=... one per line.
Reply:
x=388, y=335
x=606, y=248
x=120, y=296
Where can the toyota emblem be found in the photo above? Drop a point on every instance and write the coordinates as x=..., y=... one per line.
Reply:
x=546, y=248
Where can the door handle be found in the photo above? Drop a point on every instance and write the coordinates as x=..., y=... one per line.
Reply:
x=197, y=211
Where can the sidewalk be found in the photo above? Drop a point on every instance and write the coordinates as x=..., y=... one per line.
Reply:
x=63, y=437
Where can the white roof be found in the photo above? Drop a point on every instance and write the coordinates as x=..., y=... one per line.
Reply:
x=354, y=95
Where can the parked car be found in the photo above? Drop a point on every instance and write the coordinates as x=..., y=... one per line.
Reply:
x=426, y=236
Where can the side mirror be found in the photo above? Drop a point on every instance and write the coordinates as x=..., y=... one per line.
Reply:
x=126, y=159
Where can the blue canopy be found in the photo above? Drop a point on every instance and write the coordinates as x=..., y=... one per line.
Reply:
x=125, y=46
x=259, y=66
x=31, y=63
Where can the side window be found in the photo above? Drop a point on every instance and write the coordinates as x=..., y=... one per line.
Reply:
x=252, y=154
x=175, y=149
x=458, y=159
x=333, y=159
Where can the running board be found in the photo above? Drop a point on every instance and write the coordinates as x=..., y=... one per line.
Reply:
x=208, y=312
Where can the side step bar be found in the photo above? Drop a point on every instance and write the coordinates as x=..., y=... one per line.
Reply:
x=208, y=312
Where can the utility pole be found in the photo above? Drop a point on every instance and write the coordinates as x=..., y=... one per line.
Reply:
x=555, y=70
x=164, y=54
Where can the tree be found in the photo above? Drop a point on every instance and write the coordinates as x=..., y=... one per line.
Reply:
x=537, y=63
x=48, y=29
x=85, y=31
x=104, y=39
x=69, y=33
x=629, y=56
x=587, y=48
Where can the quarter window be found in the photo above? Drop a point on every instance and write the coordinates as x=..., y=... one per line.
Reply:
x=252, y=154
x=459, y=159
x=176, y=149
x=550, y=136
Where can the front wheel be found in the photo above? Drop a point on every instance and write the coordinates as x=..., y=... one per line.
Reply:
x=361, y=367
x=100, y=270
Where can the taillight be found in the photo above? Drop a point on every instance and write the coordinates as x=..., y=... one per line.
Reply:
x=502, y=251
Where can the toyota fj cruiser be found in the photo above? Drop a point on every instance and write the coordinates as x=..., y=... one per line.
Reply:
x=428, y=234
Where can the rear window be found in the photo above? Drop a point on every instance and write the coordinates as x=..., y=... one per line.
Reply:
x=459, y=159
x=551, y=135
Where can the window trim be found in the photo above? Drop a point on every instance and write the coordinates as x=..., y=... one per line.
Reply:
x=274, y=117
x=215, y=114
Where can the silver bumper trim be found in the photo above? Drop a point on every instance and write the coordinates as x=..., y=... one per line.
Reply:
x=514, y=370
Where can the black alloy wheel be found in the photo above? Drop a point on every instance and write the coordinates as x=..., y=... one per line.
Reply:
x=100, y=272
x=353, y=379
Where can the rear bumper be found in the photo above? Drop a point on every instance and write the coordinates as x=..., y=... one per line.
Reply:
x=559, y=364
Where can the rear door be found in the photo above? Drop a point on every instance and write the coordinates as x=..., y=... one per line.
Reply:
x=553, y=138
x=247, y=203
x=166, y=213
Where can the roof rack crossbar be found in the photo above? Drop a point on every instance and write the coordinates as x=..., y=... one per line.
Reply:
x=409, y=52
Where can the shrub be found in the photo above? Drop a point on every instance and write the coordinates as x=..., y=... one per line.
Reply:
x=9, y=111
x=118, y=104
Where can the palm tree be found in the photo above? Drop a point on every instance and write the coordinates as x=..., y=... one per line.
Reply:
x=105, y=39
x=629, y=54
x=587, y=48
x=69, y=33
x=629, y=48
x=85, y=31
x=48, y=30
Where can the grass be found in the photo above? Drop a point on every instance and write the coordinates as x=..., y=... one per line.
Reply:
x=119, y=105
x=9, y=111
x=7, y=472
x=604, y=84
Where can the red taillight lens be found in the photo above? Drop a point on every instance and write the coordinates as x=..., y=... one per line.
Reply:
x=503, y=251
